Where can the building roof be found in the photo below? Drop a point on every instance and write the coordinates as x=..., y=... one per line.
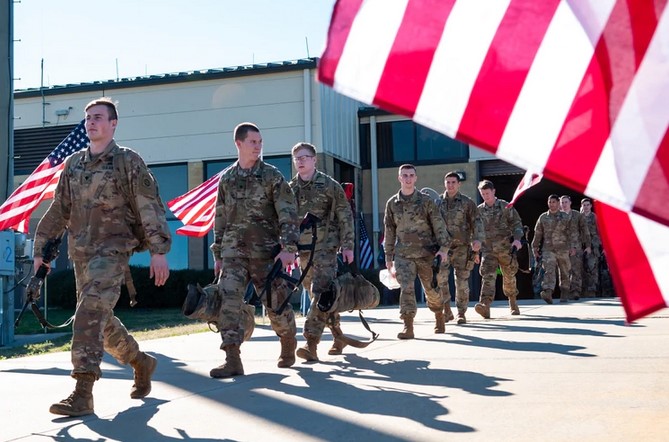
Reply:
x=175, y=77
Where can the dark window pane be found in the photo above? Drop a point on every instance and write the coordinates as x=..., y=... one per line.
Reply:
x=436, y=146
x=178, y=256
x=172, y=182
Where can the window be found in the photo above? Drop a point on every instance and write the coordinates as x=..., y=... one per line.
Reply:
x=172, y=182
x=407, y=142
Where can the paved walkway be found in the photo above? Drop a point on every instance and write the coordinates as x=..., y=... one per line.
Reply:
x=555, y=373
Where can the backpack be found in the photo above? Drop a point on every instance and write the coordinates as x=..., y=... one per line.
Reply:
x=121, y=174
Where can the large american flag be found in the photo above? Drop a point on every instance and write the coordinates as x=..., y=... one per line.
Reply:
x=573, y=89
x=40, y=185
x=197, y=208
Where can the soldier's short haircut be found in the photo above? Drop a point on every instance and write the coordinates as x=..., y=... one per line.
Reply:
x=486, y=184
x=567, y=197
x=299, y=146
x=452, y=174
x=586, y=200
x=405, y=166
x=108, y=103
x=553, y=196
x=242, y=130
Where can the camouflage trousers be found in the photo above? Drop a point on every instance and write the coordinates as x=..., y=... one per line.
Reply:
x=407, y=269
x=318, y=279
x=235, y=276
x=508, y=263
x=576, y=272
x=552, y=262
x=462, y=264
x=95, y=328
x=591, y=272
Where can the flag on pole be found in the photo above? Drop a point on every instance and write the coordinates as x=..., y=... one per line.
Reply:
x=40, y=185
x=529, y=179
x=197, y=208
x=576, y=90
x=366, y=253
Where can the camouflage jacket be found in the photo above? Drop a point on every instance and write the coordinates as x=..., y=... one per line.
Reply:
x=579, y=230
x=500, y=223
x=91, y=204
x=255, y=211
x=462, y=219
x=552, y=233
x=414, y=227
x=319, y=196
x=591, y=224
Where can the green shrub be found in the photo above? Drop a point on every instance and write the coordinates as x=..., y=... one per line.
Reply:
x=61, y=288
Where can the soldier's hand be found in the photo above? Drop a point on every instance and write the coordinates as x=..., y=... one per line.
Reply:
x=347, y=255
x=391, y=268
x=218, y=266
x=286, y=258
x=477, y=258
x=476, y=245
x=443, y=255
x=37, y=263
x=588, y=250
x=516, y=244
x=572, y=252
x=159, y=270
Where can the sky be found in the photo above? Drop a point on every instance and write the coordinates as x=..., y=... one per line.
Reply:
x=82, y=41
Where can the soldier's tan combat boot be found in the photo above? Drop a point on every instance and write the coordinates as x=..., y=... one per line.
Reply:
x=448, y=312
x=461, y=317
x=440, y=322
x=483, y=310
x=547, y=296
x=407, y=332
x=338, y=345
x=287, y=357
x=143, y=365
x=574, y=296
x=513, y=305
x=233, y=363
x=80, y=402
x=308, y=352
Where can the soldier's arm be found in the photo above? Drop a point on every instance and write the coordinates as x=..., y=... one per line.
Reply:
x=476, y=224
x=516, y=224
x=286, y=210
x=389, y=233
x=344, y=218
x=57, y=216
x=585, y=232
x=220, y=221
x=439, y=227
x=538, y=237
x=150, y=207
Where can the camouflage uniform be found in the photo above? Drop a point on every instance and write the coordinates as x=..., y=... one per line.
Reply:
x=414, y=232
x=465, y=226
x=501, y=225
x=553, y=239
x=320, y=196
x=591, y=267
x=579, y=230
x=90, y=203
x=255, y=211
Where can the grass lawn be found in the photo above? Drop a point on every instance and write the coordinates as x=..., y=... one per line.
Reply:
x=144, y=324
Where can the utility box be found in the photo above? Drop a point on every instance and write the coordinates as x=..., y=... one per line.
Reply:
x=7, y=269
x=7, y=255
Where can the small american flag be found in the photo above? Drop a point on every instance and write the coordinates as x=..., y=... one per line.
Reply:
x=366, y=254
x=197, y=208
x=41, y=184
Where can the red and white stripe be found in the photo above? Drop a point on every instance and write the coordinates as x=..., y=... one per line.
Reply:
x=576, y=89
x=529, y=179
x=197, y=208
x=40, y=185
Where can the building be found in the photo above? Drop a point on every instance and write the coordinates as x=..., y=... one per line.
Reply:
x=182, y=125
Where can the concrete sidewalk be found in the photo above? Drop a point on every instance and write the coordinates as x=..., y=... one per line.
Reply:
x=555, y=373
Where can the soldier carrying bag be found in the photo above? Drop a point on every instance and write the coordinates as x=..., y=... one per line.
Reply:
x=350, y=291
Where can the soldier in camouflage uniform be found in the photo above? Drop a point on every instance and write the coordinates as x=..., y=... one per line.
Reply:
x=415, y=233
x=551, y=243
x=98, y=215
x=466, y=230
x=503, y=232
x=256, y=215
x=321, y=195
x=580, y=231
x=591, y=260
